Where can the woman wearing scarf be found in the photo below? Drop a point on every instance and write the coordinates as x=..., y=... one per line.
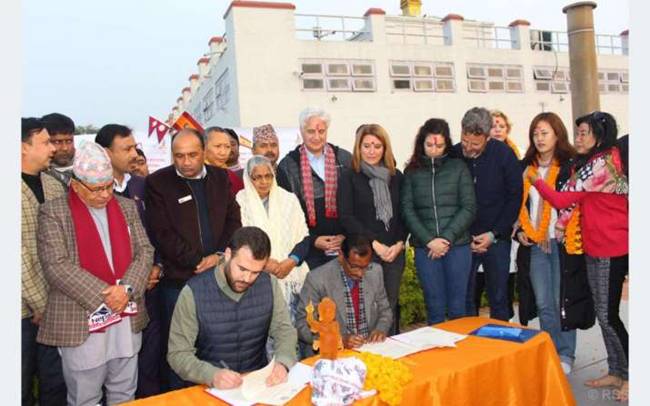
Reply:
x=369, y=204
x=550, y=279
x=598, y=189
x=265, y=205
x=438, y=206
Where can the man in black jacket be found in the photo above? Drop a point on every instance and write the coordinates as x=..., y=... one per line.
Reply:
x=192, y=214
x=312, y=172
x=498, y=185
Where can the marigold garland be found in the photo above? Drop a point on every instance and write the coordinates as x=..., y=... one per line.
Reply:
x=540, y=234
x=386, y=375
x=573, y=234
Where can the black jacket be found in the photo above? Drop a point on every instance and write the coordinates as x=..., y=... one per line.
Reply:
x=576, y=303
x=498, y=185
x=357, y=208
x=290, y=179
x=173, y=218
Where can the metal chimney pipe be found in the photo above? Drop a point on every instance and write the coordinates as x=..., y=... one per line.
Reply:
x=585, y=96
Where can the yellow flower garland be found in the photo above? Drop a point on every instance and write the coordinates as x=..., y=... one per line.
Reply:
x=540, y=234
x=573, y=234
x=386, y=375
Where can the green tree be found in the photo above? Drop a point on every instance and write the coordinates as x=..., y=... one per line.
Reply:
x=86, y=129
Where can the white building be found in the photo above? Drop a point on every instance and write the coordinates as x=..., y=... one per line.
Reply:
x=396, y=71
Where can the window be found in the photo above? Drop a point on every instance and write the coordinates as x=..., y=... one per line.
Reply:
x=422, y=76
x=495, y=78
x=338, y=75
x=222, y=92
x=552, y=79
x=613, y=81
x=312, y=68
x=422, y=70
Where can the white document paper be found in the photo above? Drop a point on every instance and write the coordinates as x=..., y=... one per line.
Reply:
x=430, y=337
x=404, y=344
x=254, y=390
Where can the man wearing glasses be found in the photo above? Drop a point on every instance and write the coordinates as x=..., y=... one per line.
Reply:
x=61, y=129
x=356, y=285
x=96, y=257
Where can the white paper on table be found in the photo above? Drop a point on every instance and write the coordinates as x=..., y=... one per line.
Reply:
x=254, y=390
x=429, y=337
x=389, y=348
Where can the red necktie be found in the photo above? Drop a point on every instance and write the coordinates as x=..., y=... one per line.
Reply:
x=355, y=301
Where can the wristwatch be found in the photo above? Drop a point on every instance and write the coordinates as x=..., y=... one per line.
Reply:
x=128, y=288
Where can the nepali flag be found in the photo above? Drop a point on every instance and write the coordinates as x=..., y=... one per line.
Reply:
x=186, y=120
x=159, y=127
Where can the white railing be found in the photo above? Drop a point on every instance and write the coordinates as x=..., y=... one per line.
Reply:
x=488, y=36
x=610, y=45
x=545, y=40
x=410, y=30
x=558, y=41
x=321, y=27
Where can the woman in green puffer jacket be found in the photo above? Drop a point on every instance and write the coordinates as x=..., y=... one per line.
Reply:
x=438, y=207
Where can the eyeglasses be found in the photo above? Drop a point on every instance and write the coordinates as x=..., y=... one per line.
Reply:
x=268, y=177
x=97, y=190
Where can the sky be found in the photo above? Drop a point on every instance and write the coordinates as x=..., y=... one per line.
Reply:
x=124, y=60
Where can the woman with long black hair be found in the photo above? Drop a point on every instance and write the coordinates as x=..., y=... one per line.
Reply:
x=598, y=188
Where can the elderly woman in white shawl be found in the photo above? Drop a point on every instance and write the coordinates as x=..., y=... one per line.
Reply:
x=266, y=205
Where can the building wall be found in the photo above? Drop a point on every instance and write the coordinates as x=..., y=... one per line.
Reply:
x=264, y=57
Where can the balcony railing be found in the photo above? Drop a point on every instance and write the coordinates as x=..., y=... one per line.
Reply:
x=558, y=41
x=488, y=36
x=410, y=30
x=321, y=27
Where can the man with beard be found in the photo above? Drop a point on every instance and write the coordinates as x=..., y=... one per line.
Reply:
x=223, y=318
x=61, y=129
x=498, y=186
x=265, y=142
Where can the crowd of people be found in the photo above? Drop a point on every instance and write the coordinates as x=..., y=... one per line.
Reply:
x=137, y=283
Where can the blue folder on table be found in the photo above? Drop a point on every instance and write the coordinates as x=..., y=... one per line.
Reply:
x=508, y=333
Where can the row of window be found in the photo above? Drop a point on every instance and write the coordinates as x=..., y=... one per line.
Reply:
x=215, y=99
x=359, y=76
x=558, y=80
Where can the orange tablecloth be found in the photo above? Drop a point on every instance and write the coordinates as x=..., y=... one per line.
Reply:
x=479, y=371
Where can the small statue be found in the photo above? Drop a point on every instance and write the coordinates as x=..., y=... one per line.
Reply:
x=329, y=334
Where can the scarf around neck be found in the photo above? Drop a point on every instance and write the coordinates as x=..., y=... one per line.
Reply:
x=379, y=183
x=92, y=256
x=330, y=184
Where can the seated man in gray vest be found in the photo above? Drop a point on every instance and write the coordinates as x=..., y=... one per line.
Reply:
x=223, y=318
x=356, y=285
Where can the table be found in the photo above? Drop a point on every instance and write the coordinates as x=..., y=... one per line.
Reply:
x=479, y=371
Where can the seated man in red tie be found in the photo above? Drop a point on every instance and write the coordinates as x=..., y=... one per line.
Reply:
x=356, y=285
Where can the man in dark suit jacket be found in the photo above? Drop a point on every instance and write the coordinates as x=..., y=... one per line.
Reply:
x=356, y=285
x=192, y=214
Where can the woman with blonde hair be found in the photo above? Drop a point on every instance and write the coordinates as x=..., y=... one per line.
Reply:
x=369, y=201
x=501, y=127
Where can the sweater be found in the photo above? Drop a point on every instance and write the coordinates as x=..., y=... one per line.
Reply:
x=498, y=186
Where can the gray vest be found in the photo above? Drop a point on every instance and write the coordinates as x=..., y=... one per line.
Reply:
x=230, y=331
